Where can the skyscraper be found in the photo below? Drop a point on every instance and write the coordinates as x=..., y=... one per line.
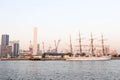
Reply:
x=5, y=40
x=31, y=48
x=35, y=42
x=16, y=49
x=5, y=48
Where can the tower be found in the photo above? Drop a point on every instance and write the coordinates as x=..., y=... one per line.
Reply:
x=31, y=48
x=5, y=49
x=35, y=41
x=15, y=48
x=5, y=40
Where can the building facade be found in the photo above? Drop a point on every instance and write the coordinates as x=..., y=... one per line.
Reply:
x=5, y=48
x=35, y=42
x=5, y=40
x=15, y=48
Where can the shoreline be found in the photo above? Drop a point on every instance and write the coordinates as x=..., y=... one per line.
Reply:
x=32, y=59
x=42, y=59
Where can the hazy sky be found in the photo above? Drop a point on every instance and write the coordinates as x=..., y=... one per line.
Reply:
x=57, y=19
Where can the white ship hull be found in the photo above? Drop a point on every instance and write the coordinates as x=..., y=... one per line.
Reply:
x=88, y=58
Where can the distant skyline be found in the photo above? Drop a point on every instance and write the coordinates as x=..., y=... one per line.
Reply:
x=58, y=19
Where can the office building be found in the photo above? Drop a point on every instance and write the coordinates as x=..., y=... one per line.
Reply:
x=30, y=48
x=0, y=50
x=5, y=40
x=5, y=48
x=35, y=42
x=38, y=47
x=15, y=48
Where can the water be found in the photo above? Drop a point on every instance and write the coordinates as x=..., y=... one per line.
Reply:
x=60, y=70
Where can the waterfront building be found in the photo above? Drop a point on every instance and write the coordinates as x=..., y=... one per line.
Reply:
x=39, y=52
x=15, y=48
x=30, y=48
x=9, y=51
x=35, y=42
x=5, y=48
x=5, y=40
x=0, y=49
x=38, y=47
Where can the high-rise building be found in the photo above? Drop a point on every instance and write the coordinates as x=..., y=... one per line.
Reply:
x=35, y=42
x=38, y=50
x=5, y=48
x=15, y=48
x=0, y=50
x=38, y=47
x=30, y=48
x=5, y=40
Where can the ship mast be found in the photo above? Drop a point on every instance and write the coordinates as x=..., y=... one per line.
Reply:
x=71, y=49
x=56, y=45
x=80, y=46
x=102, y=40
x=92, y=46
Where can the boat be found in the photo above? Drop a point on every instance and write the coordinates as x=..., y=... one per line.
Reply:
x=92, y=56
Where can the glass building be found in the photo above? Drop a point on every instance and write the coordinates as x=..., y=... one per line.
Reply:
x=5, y=49
x=5, y=40
x=15, y=48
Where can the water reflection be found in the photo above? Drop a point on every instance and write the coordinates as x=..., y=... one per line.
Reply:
x=60, y=70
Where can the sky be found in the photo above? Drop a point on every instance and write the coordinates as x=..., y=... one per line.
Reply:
x=58, y=19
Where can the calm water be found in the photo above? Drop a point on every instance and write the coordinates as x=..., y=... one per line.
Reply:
x=60, y=70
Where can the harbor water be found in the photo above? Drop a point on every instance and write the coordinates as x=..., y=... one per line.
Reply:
x=60, y=70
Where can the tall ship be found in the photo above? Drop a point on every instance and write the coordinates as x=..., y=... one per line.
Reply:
x=92, y=55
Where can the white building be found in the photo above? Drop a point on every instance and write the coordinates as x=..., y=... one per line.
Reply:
x=35, y=42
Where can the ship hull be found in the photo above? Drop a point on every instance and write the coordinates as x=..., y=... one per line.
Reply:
x=89, y=58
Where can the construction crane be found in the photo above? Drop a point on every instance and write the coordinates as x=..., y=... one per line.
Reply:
x=56, y=45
